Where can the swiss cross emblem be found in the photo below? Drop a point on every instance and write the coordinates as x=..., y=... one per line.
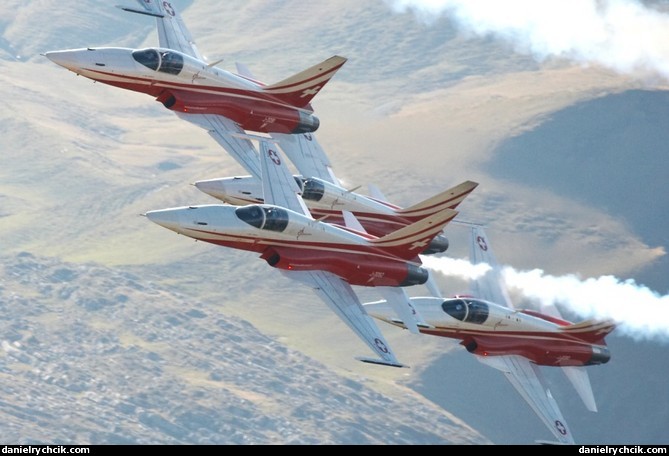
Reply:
x=274, y=157
x=307, y=92
x=482, y=244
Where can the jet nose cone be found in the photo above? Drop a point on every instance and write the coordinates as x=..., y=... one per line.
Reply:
x=68, y=59
x=213, y=187
x=168, y=218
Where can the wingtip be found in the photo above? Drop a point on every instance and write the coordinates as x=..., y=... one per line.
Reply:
x=381, y=362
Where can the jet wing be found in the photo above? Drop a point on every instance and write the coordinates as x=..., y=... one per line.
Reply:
x=491, y=286
x=341, y=298
x=172, y=31
x=399, y=300
x=307, y=155
x=230, y=136
x=278, y=184
x=528, y=381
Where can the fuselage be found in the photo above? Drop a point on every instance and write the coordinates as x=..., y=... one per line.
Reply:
x=488, y=329
x=291, y=241
x=185, y=84
x=325, y=201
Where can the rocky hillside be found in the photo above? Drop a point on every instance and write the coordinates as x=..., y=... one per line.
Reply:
x=96, y=355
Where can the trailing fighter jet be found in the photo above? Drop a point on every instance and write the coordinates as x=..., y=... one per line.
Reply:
x=223, y=103
x=326, y=257
x=512, y=340
x=324, y=194
x=327, y=202
x=226, y=104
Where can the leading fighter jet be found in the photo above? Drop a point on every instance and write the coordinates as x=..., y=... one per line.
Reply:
x=223, y=103
x=326, y=257
x=512, y=340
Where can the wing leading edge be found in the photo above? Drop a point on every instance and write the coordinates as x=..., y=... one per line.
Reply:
x=528, y=381
x=280, y=188
x=341, y=298
x=172, y=31
x=230, y=136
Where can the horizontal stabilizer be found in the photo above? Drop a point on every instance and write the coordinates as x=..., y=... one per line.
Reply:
x=401, y=304
x=411, y=240
x=380, y=362
x=579, y=378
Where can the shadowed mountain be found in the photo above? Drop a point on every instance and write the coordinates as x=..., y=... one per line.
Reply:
x=609, y=153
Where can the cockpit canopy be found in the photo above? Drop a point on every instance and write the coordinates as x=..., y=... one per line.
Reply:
x=467, y=310
x=313, y=190
x=162, y=60
x=264, y=217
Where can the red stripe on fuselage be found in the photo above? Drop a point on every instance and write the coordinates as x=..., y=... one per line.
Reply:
x=139, y=84
x=543, y=348
x=258, y=245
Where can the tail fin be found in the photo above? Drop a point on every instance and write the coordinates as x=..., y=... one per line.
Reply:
x=411, y=240
x=446, y=199
x=300, y=89
x=590, y=330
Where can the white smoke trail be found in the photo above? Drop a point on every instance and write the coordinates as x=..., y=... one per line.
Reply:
x=640, y=312
x=623, y=35
x=455, y=267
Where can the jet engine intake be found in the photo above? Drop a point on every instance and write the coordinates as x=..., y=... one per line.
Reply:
x=271, y=257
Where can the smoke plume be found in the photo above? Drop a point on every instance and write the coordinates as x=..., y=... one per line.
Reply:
x=640, y=312
x=624, y=35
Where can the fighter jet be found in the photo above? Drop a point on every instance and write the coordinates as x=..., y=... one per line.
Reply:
x=327, y=202
x=224, y=103
x=328, y=258
x=512, y=340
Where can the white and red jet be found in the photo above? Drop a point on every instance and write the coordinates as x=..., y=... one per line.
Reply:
x=326, y=257
x=512, y=340
x=328, y=201
x=223, y=103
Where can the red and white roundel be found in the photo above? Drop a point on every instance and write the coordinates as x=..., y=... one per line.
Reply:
x=482, y=244
x=168, y=8
x=274, y=156
x=380, y=345
x=560, y=427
